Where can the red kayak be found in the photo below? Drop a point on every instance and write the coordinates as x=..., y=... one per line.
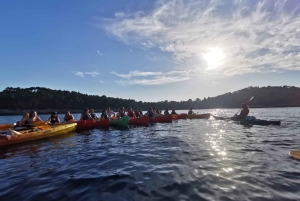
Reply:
x=80, y=125
x=161, y=119
x=104, y=123
x=180, y=116
x=89, y=124
x=143, y=121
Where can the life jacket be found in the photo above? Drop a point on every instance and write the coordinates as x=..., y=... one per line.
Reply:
x=190, y=112
x=68, y=118
x=173, y=112
x=94, y=116
x=137, y=114
x=85, y=116
x=166, y=113
x=244, y=113
x=120, y=115
x=150, y=114
x=130, y=114
x=54, y=120
x=104, y=116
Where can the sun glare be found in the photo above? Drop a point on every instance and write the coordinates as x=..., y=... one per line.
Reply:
x=214, y=57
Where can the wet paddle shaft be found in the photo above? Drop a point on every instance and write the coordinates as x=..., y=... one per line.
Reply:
x=246, y=103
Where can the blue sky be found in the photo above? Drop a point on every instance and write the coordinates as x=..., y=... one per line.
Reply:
x=149, y=50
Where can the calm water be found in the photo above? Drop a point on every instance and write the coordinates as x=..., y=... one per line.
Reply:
x=183, y=160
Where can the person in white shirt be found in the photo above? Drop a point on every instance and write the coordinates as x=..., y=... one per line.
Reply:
x=109, y=112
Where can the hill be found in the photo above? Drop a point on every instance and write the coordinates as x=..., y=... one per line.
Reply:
x=40, y=98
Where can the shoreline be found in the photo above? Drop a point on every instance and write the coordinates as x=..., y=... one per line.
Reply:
x=7, y=112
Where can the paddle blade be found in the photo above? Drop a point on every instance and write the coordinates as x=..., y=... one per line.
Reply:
x=251, y=99
x=295, y=153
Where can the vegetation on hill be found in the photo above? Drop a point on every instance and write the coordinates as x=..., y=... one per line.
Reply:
x=40, y=98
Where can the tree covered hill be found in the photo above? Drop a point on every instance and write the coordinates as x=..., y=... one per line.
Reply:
x=40, y=98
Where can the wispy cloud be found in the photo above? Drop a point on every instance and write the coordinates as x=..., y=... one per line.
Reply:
x=93, y=74
x=158, y=80
x=82, y=74
x=155, y=78
x=255, y=36
x=99, y=53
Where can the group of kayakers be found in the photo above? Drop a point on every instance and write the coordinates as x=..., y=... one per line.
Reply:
x=30, y=118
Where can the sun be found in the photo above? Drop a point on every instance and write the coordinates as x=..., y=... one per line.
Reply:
x=214, y=57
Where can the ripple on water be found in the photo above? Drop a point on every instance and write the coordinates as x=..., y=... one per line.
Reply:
x=183, y=160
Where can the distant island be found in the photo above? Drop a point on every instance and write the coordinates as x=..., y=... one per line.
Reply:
x=44, y=100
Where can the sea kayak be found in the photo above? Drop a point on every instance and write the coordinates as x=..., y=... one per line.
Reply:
x=161, y=119
x=89, y=124
x=180, y=116
x=46, y=132
x=249, y=121
x=80, y=125
x=104, y=123
x=199, y=116
x=143, y=121
x=256, y=122
x=119, y=122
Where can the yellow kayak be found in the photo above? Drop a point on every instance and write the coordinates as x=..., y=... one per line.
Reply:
x=295, y=153
x=44, y=133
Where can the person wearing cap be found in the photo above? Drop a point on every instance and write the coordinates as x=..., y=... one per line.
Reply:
x=244, y=112
x=53, y=119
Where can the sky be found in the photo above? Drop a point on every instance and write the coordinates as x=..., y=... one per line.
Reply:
x=150, y=50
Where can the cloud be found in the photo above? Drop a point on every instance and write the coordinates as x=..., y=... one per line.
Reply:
x=82, y=74
x=93, y=74
x=158, y=80
x=255, y=36
x=155, y=78
x=99, y=53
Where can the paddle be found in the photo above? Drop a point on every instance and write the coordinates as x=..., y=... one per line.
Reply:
x=246, y=103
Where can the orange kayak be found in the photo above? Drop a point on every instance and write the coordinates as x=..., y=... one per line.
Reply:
x=104, y=123
x=161, y=119
x=143, y=121
x=199, y=116
x=180, y=116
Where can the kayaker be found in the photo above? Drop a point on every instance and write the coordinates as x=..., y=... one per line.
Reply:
x=53, y=119
x=130, y=113
x=166, y=112
x=121, y=113
x=31, y=119
x=244, y=112
x=68, y=117
x=158, y=111
x=150, y=113
x=85, y=115
x=103, y=115
x=93, y=115
x=109, y=112
x=191, y=111
x=137, y=113
x=25, y=116
x=141, y=112
x=173, y=111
